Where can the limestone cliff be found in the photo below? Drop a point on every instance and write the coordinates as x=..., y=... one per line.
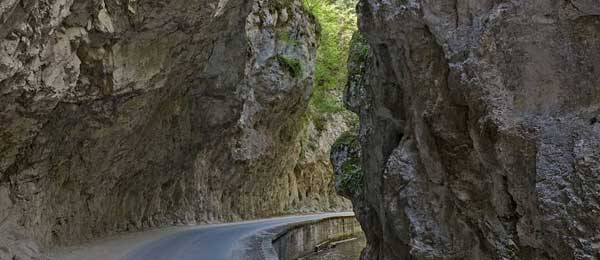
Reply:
x=119, y=115
x=312, y=186
x=479, y=129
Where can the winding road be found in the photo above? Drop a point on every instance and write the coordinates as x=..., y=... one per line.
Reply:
x=203, y=242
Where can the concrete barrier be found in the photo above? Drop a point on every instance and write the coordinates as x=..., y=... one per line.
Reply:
x=303, y=238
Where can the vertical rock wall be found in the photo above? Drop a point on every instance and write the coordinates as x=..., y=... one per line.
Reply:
x=119, y=115
x=479, y=129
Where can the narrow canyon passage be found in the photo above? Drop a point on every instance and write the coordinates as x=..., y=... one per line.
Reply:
x=454, y=130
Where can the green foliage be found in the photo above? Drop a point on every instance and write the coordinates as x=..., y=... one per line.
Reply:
x=293, y=65
x=337, y=20
x=348, y=138
x=352, y=176
x=326, y=102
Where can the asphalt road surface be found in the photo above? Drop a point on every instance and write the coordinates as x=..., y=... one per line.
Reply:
x=208, y=242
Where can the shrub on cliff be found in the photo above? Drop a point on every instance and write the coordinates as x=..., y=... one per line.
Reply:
x=337, y=20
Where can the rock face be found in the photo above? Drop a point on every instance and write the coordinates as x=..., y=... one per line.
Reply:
x=122, y=115
x=345, y=159
x=479, y=129
x=312, y=186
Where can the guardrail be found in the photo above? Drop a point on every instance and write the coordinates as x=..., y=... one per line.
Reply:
x=300, y=239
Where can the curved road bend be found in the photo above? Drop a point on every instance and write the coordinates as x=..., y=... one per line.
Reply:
x=204, y=242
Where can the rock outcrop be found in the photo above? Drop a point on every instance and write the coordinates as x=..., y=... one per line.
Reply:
x=479, y=129
x=119, y=115
x=312, y=186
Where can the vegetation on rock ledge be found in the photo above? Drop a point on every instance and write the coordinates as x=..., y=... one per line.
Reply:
x=351, y=179
x=293, y=65
x=337, y=20
x=349, y=139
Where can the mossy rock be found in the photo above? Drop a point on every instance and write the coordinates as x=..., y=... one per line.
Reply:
x=285, y=37
x=347, y=164
x=293, y=65
x=280, y=4
x=352, y=176
x=349, y=138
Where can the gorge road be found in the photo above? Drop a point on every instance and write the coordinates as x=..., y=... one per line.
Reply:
x=203, y=242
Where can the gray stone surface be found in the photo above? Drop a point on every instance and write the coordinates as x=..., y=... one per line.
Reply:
x=479, y=129
x=120, y=115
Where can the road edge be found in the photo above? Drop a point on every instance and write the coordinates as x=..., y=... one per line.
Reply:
x=299, y=239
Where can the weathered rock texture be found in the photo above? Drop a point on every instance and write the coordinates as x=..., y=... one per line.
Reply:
x=479, y=129
x=312, y=186
x=119, y=115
